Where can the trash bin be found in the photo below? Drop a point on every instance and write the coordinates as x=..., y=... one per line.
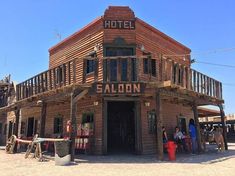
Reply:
x=171, y=147
x=62, y=155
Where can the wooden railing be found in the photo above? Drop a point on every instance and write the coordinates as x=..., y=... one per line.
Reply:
x=127, y=69
x=190, y=79
x=60, y=76
x=205, y=85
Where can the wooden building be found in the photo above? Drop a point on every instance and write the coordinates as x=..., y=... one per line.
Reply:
x=118, y=80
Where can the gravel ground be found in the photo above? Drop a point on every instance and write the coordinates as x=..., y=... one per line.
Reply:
x=207, y=164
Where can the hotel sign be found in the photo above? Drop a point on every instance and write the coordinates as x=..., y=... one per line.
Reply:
x=119, y=88
x=119, y=24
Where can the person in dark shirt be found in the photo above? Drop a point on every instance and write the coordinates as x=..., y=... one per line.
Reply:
x=164, y=135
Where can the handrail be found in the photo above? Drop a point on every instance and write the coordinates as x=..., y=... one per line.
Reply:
x=73, y=72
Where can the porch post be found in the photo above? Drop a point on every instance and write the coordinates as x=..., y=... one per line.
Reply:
x=159, y=125
x=73, y=110
x=223, y=126
x=197, y=125
x=16, y=128
x=43, y=119
x=105, y=128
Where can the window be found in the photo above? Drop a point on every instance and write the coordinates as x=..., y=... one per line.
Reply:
x=58, y=125
x=146, y=66
x=115, y=51
x=59, y=75
x=182, y=124
x=151, y=122
x=124, y=70
x=87, y=118
x=133, y=69
x=90, y=66
x=113, y=70
x=153, y=65
x=150, y=66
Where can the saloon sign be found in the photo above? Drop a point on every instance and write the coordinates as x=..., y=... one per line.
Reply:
x=119, y=88
x=119, y=24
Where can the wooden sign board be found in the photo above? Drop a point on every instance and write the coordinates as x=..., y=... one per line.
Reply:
x=119, y=88
x=119, y=24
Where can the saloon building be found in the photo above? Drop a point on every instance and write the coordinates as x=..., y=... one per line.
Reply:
x=118, y=80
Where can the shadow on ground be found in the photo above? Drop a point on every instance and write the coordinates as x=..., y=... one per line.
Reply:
x=211, y=156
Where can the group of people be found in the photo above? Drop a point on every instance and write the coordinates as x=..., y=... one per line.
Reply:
x=180, y=138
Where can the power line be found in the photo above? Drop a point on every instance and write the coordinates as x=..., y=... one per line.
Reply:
x=203, y=53
x=215, y=64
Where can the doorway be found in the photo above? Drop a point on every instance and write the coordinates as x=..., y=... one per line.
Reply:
x=121, y=127
x=30, y=127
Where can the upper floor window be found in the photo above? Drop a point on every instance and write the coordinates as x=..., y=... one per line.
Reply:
x=149, y=66
x=116, y=51
x=124, y=69
x=113, y=70
x=90, y=66
x=59, y=75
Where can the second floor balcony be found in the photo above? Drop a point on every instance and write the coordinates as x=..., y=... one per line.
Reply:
x=120, y=69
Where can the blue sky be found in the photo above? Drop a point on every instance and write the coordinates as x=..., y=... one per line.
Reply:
x=28, y=29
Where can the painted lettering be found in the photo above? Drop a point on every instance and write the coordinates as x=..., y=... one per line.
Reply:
x=107, y=89
x=106, y=24
x=121, y=88
x=113, y=24
x=128, y=88
x=113, y=89
x=119, y=24
x=99, y=88
x=136, y=88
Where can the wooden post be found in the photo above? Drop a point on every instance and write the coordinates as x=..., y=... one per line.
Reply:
x=138, y=129
x=197, y=125
x=43, y=119
x=159, y=126
x=105, y=127
x=223, y=126
x=15, y=132
x=73, y=111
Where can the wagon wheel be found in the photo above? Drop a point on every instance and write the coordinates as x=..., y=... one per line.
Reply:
x=11, y=144
x=30, y=147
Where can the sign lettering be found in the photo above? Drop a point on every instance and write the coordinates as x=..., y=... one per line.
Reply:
x=119, y=88
x=119, y=24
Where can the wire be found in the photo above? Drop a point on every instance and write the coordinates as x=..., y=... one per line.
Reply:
x=229, y=84
x=202, y=53
x=209, y=63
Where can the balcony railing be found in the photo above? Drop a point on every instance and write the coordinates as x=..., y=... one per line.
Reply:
x=119, y=69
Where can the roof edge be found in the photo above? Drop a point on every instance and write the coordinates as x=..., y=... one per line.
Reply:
x=162, y=34
x=75, y=34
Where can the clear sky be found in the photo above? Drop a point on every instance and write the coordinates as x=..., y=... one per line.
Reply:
x=28, y=28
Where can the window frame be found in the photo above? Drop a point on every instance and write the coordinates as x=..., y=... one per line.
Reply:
x=58, y=126
x=90, y=65
x=151, y=119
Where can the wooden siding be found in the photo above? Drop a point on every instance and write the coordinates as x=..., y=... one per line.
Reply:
x=79, y=46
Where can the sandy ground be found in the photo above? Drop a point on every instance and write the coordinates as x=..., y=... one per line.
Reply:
x=210, y=163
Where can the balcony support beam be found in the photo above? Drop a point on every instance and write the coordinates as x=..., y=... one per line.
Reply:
x=223, y=126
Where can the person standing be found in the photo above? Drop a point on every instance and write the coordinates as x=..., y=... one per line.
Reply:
x=164, y=135
x=193, y=136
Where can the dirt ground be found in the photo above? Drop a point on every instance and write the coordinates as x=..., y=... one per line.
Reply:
x=207, y=164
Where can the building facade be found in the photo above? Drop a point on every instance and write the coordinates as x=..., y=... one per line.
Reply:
x=118, y=80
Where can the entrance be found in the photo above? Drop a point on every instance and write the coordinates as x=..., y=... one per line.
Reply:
x=121, y=127
x=30, y=127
